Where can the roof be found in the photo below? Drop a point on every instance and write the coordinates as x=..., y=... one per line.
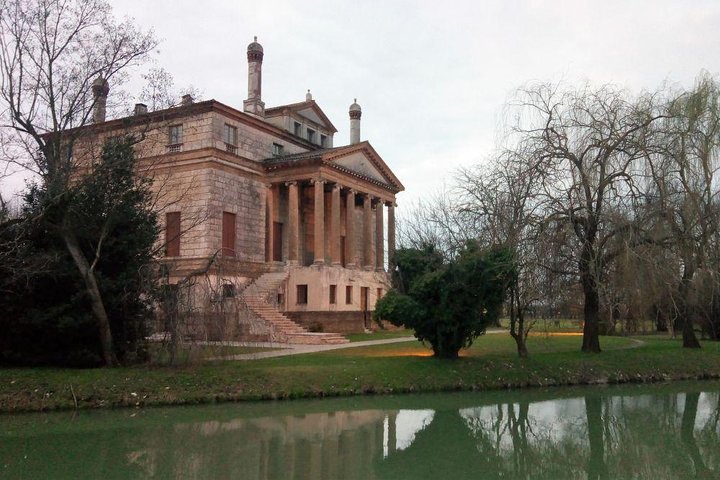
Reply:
x=298, y=107
x=335, y=156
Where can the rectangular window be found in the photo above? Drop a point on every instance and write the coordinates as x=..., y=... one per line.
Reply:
x=297, y=128
x=277, y=149
x=228, y=234
x=229, y=290
x=175, y=135
x=230, y=135
x=172, y=234
x=311, y=135
x=348, y=294
x=302, y=294
x=323, y=140
x=333, y=294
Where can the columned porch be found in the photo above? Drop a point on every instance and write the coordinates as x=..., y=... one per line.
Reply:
x=324, y=222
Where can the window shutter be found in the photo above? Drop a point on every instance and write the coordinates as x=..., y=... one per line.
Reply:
x=172, y=234
x=228, y=234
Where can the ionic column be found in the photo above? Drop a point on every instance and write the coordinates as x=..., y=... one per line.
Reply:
x=270, y=241
x=379, y=237
x=350, y=254
x=335, y=246
x=319, y=222
x=391, y=236
x=294, y=222
x=367, y=232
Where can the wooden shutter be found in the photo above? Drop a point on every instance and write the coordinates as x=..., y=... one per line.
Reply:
x=172, y=234
x=228, y=234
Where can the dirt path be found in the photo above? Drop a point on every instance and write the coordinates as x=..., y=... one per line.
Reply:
x=284, y=349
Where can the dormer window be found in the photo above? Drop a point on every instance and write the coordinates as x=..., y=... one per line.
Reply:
x=175, y=138
x=277, y=149
x=323, y=140
x=231, y=137
x=297, y=129
x=311, y=135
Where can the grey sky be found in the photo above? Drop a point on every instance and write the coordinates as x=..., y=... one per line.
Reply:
x=431, y=77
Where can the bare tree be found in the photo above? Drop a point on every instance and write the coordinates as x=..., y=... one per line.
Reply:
x=503, y=208
x=585, y=144
x=684, y=170
x=51, y=52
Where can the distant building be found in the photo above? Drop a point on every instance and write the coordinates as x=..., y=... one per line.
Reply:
x=298, y=227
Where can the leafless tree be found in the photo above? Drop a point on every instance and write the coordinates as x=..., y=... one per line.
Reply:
x=585, y=144
x=502, y=206
x=684, y=170
x=51, y=52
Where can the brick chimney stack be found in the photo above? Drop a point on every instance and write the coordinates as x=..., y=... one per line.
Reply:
x=355, y=114
x=100, y=89
x=254, y=104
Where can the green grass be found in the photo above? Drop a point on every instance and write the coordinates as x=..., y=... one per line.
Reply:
x=491, y=363
x=545, y=325
x=378, y=335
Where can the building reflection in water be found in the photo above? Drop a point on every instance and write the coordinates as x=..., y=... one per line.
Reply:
x=596, y=436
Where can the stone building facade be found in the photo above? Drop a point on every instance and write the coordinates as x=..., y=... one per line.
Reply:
x=298, y=232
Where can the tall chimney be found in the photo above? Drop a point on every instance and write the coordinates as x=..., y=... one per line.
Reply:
x=254, y=104
x=100, y=89
x=187, y=99
x=355, y=114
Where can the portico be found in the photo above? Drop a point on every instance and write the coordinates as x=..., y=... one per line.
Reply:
x=331, y=227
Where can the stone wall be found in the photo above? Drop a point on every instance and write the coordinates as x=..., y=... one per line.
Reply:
x=335, y=322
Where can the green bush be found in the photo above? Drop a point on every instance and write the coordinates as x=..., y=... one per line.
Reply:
x=447, y=303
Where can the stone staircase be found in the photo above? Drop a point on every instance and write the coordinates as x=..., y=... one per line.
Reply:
x=258, y=297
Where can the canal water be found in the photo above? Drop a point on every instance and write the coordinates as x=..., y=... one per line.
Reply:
x=635, y=432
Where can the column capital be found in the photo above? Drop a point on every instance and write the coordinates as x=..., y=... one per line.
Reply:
x=292, y=182
x=336, y=186
x=390, y=203
x=318, y=180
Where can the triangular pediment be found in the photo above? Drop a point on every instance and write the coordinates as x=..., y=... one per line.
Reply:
x=308, y=109
x=360, y=163
x=362, y=159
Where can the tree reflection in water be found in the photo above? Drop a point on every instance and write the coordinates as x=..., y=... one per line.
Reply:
x=646, y=434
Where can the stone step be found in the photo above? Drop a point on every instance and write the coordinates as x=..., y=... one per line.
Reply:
x=256, y=298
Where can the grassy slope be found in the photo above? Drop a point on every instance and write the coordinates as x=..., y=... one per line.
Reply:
x=490, y=364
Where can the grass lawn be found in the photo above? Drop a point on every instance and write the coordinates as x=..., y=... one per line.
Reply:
x=491, y=363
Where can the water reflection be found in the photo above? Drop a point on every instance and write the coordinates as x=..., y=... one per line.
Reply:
x=652, y=432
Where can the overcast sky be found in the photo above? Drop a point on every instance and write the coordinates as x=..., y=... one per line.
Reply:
x=431, y=77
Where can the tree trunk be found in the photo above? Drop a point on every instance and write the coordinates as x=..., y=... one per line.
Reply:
x=96, y=301
x=591, y=331
x=688, y=332
x=687, y=433
x=596, y=468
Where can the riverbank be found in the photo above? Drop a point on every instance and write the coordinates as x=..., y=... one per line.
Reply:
x=393, y=368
